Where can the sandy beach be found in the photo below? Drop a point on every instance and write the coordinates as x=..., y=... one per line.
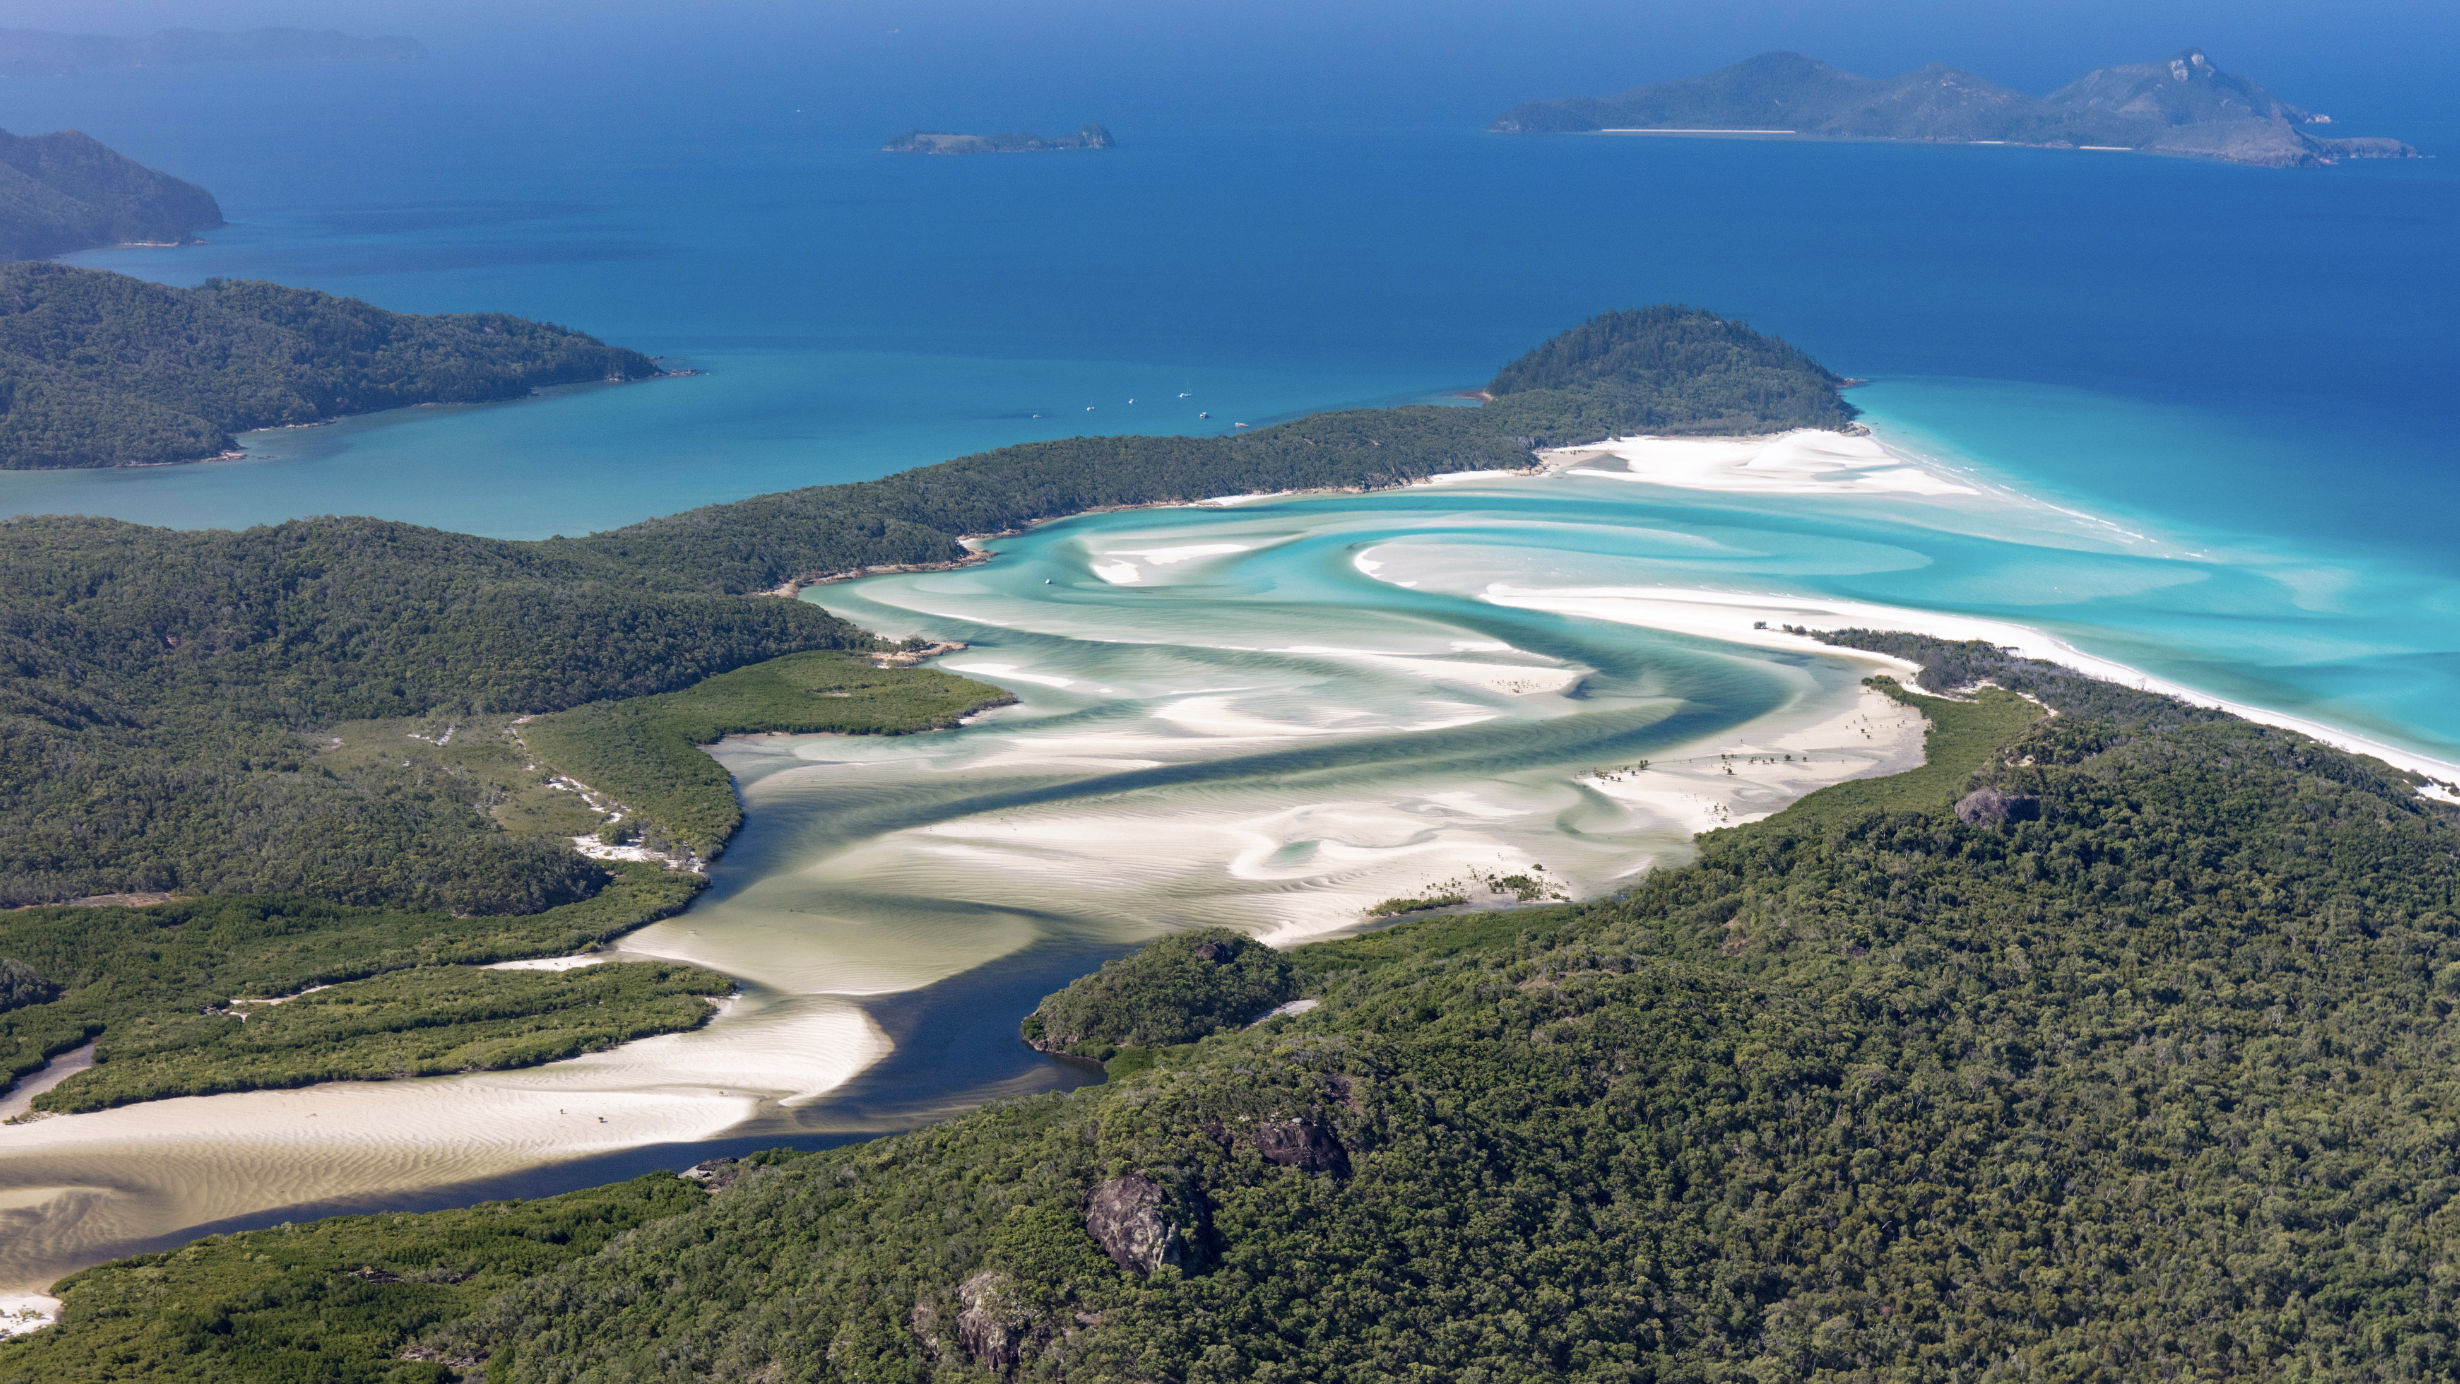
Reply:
x=1797, y=463
x=1824, y=463
x=1280, y=764
x=1746, y=618
x=75, y=1188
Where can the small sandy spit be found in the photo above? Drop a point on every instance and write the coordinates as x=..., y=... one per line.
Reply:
x=1759, y=619
x=1807, y=462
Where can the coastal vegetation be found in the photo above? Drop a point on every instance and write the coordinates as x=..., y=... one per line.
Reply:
x=166, y=722
x=2148, y=1077
x=645, y=751
x=173, y=699
x=1664, y=369
x=1424, y=903
x=68, y=191
x=1176, y=990
x=2183, y=106
x=153, y=988
x=331, y=1301
x=100, y=369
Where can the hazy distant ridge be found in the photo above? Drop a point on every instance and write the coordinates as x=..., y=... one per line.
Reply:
x=2184, y=105
x=43, y=53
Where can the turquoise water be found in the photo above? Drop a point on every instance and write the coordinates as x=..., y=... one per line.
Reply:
x=2118, y=334
x=2199, y=411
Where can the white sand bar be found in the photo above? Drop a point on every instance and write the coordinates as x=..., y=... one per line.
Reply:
x=24, y=1312
x=1806, y=462
x=1747, y=618
x=75, y=1186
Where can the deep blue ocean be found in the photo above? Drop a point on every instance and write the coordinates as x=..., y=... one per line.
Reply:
x=2241, y=361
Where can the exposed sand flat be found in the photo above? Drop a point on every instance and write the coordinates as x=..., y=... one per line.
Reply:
x=1115, y=565
x=1511, y=678
x=1748, y=618
x=1806, y=462
x=1209, y=733
x=998, y=670
x=23, y=1312
x=74, y=1187
x=1727, y=780
x=550, y=963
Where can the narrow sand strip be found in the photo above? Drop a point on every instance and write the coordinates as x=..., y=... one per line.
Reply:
x=1757, y=619
x=72, y=1187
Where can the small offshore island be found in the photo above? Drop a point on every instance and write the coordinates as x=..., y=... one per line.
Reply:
x=2184, y=106
x=940, y=142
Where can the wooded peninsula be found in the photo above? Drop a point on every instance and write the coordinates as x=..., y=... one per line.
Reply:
x=2112, y=1040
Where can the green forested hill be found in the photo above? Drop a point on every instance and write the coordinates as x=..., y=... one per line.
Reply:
x=67, y=191
x=99, y=369
x=2138, y=1069
x=1661, y=370
x=158, y=689
x=1668, y=370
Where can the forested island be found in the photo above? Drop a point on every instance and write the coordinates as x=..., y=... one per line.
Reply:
x=2184, y=106
x=46, y=53
x=2109, y=1043
x=100, y=369
x=67, y=191
x=942, y=142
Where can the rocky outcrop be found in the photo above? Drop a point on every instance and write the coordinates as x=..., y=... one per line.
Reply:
x=991, y=1327
x=1142, y=1227
x=717, y=1174
x=1302, y=1144
x=1995, y=807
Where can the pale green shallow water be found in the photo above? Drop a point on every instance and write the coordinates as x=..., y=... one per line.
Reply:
x=1267, y=715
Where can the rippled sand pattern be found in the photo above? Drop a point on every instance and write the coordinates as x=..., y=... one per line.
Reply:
x=1269, y=716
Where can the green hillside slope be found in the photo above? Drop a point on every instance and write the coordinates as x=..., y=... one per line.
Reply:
x=2133, y=1065
x=100, y=369
x=67, y=191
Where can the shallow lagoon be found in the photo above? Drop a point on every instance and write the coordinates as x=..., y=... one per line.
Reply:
x=1269, y=715
x=2200, y=404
